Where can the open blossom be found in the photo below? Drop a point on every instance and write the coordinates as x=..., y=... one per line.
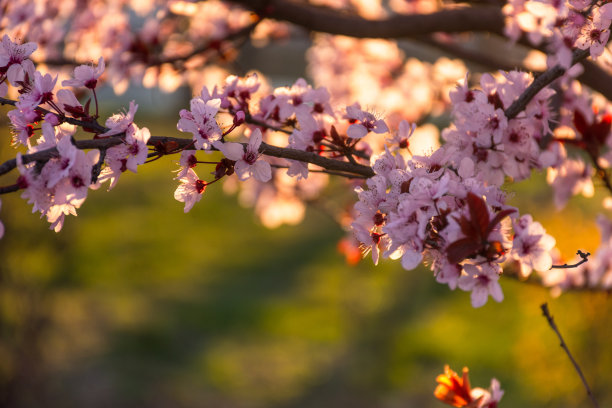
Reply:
x=125, y=156
x=119, y=122
x=370, y=241
x=61, y=186
x=200, y=121
x=531, y=246
x=239, y=89
x=14, y=59
x=41, y=92
x=363, y=122
x=86, y=75
x=22, y=126
x=400, y=139
x=482, y=281
x=595, y=33
x=247, y=164
x=190, y=190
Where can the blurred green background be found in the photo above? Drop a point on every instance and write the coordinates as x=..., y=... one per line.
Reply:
x=136, y=304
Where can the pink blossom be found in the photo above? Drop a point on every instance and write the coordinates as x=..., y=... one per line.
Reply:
x=595, y=33
x=531, y=246
x=61, y=187
x=200, y=122
x=120, y=122
x=115, y=163
x=369, y=241
x=488, y=398
x=482, y=281
x=187, y=161
x=446, y=272
x=58, y=168
x=364, y=122
x=14, y=60
x=400, y=139
x=190, y=190
x=311, y=133
x=86, y=75
x=136, y=141
x=21, y=124
x=126, y=156
x=239, y=89
x=41, y=92
x=70, y=104
x=247, y=164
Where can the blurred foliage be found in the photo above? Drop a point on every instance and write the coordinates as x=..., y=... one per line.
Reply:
x=135, y=304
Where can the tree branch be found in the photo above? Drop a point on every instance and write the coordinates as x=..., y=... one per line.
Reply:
x=327, y=20
x=583, y=255
x=552, y=324
x=540, y=82
x=269, y=150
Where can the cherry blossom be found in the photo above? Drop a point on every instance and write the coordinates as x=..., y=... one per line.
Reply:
x=86, y=75
x=246, y=158
x=595, y=34
x=365, y=122
x=120, y=122
x=482, y=281
x=190, y=190
x=14, y=60
x=531, y=246
x=200, y=121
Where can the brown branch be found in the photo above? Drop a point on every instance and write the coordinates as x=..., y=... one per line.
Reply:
x=552, y=324
x=327, y=20
x=455, y=48
x=269, y=150
x=540, y=82
x=583, y=255
x=210, y=45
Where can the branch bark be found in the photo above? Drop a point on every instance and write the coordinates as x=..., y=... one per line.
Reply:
x=266, y=149
x=327, y=20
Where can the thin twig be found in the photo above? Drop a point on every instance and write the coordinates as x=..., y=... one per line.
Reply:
x=583, y=255
x=90, y=124
x=249, y=119
x=552, y=324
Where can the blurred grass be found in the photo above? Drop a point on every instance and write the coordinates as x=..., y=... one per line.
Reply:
x=134, y=303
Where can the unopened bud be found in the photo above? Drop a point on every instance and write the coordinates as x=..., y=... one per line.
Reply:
x=239, y=118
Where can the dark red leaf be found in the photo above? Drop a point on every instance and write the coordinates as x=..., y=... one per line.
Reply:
x=461, y=249
x=479, y=214
x=601, y=130
x=580, y=123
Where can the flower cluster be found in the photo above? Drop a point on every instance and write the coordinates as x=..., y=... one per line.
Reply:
x=561, y=24
x=44, y=121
